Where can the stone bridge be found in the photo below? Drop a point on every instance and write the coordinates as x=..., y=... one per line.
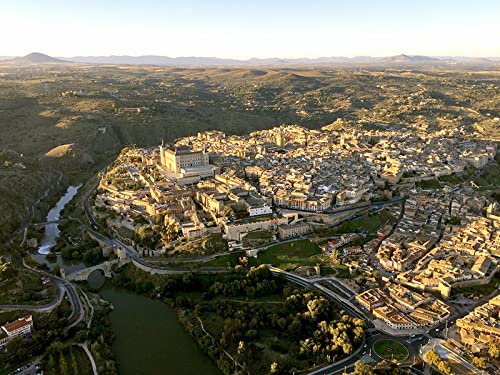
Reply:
x=41, y=225
x=105, y=267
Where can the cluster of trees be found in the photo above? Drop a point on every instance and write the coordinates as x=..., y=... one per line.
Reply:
x=334, y=333
x=435, y=360
x=212, y=348
x=454, y=220
x=479, y=362
x=333, y=339
x=100, y=338
x=132, y=278
x=212, y=244
x=306, y=319
x=257, y=282
x=361, y=368
x=88, y=250
x=494, y=350
x=305, y=327
x=61, y=360
x=149, y=236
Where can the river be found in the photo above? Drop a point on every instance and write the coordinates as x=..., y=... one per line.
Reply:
x=52, y=232
x=149, y=340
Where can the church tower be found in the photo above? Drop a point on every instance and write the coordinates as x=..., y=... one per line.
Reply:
x=280, y=141
x=162, y=154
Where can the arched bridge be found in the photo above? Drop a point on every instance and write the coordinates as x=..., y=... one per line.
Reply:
x=41, y=225
x=105, y=267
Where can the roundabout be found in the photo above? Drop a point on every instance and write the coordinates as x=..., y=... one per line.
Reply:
x=390, y=350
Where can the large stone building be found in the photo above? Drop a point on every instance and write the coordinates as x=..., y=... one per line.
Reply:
x=182, y=157
x=293, y=230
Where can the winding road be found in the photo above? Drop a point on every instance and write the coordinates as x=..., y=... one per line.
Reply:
x=62, y=286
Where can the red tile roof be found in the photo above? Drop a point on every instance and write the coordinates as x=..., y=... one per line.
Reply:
x=19, y=323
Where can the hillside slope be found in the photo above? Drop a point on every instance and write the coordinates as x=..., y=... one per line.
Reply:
x=86, y=114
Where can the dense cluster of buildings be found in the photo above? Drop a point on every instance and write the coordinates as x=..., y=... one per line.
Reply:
x=269, y=180
x=481, y=327
x=467, y=255
x=416, y=233
x=403, y=309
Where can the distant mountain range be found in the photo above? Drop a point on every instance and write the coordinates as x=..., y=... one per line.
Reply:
x=38, y=58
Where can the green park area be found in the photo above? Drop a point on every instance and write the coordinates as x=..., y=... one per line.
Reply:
x=300, y=252
x=428, y=184
x=283, y=255
x=369, y=222
x=491, y=175
x=264, y=322
x=478, y=291
x=389, y=349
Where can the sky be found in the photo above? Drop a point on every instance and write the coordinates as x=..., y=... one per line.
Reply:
x=250, y=28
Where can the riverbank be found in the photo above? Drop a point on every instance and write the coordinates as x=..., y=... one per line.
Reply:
x=250, y=321
x=148, y=338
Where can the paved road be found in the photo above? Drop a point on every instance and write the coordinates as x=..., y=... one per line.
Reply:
x=394, y=200
x=61, y=285
x=89, y=355
x=31, y=368
x=40, y=308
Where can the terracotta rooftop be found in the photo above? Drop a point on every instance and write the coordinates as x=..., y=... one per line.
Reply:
x=19, y=323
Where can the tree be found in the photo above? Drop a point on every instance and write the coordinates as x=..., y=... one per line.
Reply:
x=444, y=367
x=494, y=351
x=479, y=362
x=81, y=336
x=274, y=368
x=74, y=364
x=57, y=270
x=361, y=368
x=432, y=357
x=55, y=347
x=50, y=365
x=63, y=365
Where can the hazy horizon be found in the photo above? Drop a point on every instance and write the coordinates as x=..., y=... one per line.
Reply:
x=244, y=30
x=257, y=58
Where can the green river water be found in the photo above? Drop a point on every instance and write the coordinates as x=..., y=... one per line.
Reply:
x=149, y=340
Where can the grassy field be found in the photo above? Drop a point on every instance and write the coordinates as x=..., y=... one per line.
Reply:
x=300, y=252
x=283, y=255
x=224, y=260
x=389, y=349
x=480, y=290
x=370, y=223
x=429, y=184
x=451, y=179
x=491, y=176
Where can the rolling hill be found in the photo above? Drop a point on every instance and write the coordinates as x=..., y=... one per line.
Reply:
x=35, y=58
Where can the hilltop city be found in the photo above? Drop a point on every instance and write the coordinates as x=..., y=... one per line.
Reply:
x=435, y=233
x=334, y=218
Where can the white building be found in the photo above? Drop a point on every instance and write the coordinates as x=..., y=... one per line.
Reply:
x=19, y=327
x=262, y=210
